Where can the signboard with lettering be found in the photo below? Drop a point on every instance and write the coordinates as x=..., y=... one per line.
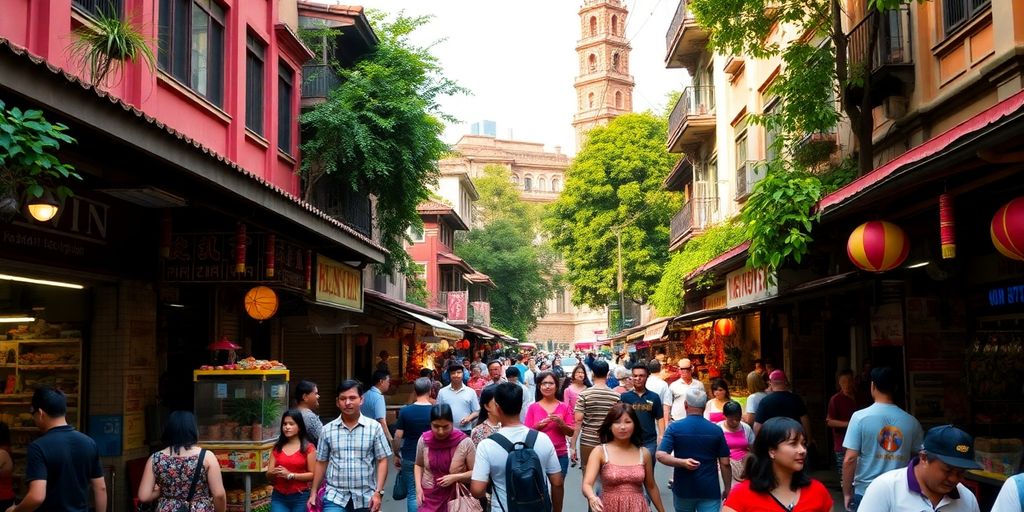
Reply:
x=338, y=284
x=748, y=285
x=210, y=257
x=458, y=306
x=481, y=313
x=716, y=300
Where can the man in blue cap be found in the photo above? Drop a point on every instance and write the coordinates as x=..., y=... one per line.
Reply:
x=932, y=478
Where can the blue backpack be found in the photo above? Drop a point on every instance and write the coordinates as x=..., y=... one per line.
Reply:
x=526, y=486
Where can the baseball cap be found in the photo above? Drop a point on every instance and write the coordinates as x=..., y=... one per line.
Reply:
x=777, y=375
x=952, y=446
x=696, y=398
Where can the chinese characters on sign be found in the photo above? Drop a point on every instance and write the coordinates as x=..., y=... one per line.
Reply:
x=748, y=285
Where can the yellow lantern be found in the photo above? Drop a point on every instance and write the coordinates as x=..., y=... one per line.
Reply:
x=261, y=303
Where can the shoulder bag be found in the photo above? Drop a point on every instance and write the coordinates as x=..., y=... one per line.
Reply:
x=187, y=507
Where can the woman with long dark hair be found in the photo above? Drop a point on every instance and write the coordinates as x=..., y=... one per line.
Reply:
x=487, y=422
x=444, y=458
x=776, y=474
x=291, y=465
x=738, y=436
x=719, y=397
x=307, y=400
x=168, y=474
x=623, y=464
x=574, y=384
x=550, y=415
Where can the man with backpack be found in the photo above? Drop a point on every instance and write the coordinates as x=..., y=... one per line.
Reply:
x=518, y=463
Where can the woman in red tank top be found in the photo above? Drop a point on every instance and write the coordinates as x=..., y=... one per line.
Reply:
x=291, y=465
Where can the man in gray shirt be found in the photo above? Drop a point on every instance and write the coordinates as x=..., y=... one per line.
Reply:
x=461, y=398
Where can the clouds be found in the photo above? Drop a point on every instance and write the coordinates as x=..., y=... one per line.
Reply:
x=519, y=61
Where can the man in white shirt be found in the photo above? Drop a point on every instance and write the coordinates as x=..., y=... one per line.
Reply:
x=512, y=375
x=461, y=398
x=931, y=481
x=679, y=388
x=658, y=386
x=490, y=460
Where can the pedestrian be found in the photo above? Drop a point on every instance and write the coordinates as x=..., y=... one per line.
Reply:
x=6, y=468
x=307, y=400
x=647, y=405
x=487, y=422
x=181, y=476
x=592, y=407
x=933, y=477
x=879, y=438
x=694, y=447
x=62, y=464
x=550, y=415
x=575, y=384
x=476, y=380
x=623, y=465
x=352, y=457
x=758, y=370
x=679, y=387
x=382, y=363
x=841, y=407
x=492, y=454
x=658, y=385
x=1011, y=495
x=720, y=397
x=374, y=405
x=531, y=374
x=462, y=400
x=556, y=368
x=776, y=473
x=512, y=375
x=496, y=372
x=625, y=378
x=757, y=387
x=292, y=461
x=740, y=438
x=444, y=459
x=782, y=402
x=413, y=420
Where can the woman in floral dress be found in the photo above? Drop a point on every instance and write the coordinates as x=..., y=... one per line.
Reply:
x=486, y=423
x=168, y=475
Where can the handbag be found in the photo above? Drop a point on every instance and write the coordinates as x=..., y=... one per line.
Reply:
x=401, y=489
x=187, y=507
x=463, y=501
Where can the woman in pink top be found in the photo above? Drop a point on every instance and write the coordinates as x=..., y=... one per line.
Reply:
x=738, y=436
x=713, y=410
x=574, y=384
x=550, y=415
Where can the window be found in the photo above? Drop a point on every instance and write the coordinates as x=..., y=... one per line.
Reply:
x=590, y=100
x=560, y=301
x=554, y=184
x=618, y=99
x=527, y=183
x=111, y=8
x=419, y=269
x=515, y=179
x=771, y=133
x=416, y=234
x=593, y=26
x=542, y=184
x=285, y=79
x=254, y=52
x=741, y=149
x=957, y=12
x=191, y=36
x=615, y=25
x=615, y=61
x=592, y=63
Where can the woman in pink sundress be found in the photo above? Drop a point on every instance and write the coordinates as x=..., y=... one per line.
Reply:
x=624, y=466
x=168, y=476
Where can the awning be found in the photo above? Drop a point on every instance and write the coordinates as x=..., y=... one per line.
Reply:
x=528, y=345
x=479, y=333
x=499, y=333
x=441, y=329
x=583, y=345
x=655, y=330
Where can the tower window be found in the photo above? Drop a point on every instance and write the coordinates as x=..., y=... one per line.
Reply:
x=554, y=184
x=618, y=99
x=542, y=184
x=615, y=61
x=592, y=63
x=590, y=100
x=615, y=25
x=593, y=26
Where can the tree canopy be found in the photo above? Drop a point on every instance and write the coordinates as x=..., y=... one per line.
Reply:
x=380, y=130
x=613, y=189
x=507, y=249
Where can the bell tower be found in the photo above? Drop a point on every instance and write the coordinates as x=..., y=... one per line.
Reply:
x=604, y=87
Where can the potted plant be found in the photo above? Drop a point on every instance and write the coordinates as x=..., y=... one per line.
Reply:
x=28, y=164
x=103, y=45
x=270, y=412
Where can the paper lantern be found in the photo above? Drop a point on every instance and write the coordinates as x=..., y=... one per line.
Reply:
x=947, y=233
x=878, y=246
x=1007, y=229
x=725, y=327
x=261, y=303
x=240, y=240
x=362, y=339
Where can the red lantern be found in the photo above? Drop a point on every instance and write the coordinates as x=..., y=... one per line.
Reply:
x=240, y=248
x=464, y=344
x=309, y=269
x=271, y=253
x=947, y=234
x=1007, y=229
x=725, y=327
x=878, y=246
x=362, y=339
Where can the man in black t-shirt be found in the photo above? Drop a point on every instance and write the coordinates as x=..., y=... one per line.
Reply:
x=62, y=464
x=782, y=402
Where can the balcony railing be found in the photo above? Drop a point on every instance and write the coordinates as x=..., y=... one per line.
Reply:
x=751, y=172
x=694, y=216
x=682, y=12
x=318, y=80
x=696, y=100
x=110, y=8
x=891, y=47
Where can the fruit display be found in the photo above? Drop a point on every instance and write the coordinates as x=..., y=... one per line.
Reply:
x=259, y=499
x=249, y=363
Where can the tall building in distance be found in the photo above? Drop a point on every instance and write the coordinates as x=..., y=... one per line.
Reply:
x=484, y=127
x=604, y=87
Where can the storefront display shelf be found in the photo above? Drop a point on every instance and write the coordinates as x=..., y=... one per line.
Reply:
x=231, y=373
x=48, y=367
x=52, y=341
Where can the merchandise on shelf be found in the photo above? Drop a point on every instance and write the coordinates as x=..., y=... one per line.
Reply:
x=259, y=499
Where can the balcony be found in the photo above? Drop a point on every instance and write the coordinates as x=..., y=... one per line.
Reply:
x=889, y=66
x=685, y=39
x=480, y=313
x=748, y=174
x=318, y=80
x=94, y=7
x=538, y=196
x=691, y=220
x=693, y=118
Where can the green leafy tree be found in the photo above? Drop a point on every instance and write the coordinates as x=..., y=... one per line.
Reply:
x=507, y=249
x=380, y=130
x=669, y=294
x=613, y=193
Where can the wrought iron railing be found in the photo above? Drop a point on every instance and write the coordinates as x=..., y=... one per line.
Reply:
x=695, y=214
x=682, y=12
x=110, y=8
x=892, y=45
x=695, y=100
x=318, y=80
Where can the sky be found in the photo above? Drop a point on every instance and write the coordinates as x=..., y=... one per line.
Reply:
x=518, y=59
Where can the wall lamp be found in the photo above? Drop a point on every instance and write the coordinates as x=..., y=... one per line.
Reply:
x=44, y=207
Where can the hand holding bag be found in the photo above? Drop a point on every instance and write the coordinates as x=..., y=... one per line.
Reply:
x=464, y=501
x=187, y=507
x=401, y=490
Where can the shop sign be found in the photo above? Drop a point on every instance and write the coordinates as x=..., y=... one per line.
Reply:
x=210, y=257
x=717, y=300
x=458, y=306
x=338, y=284
x=1006, y=295
x=80, y=232
x=748, y=285
x=481, y=313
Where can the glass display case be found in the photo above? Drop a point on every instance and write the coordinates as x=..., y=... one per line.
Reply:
x=240, y=406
